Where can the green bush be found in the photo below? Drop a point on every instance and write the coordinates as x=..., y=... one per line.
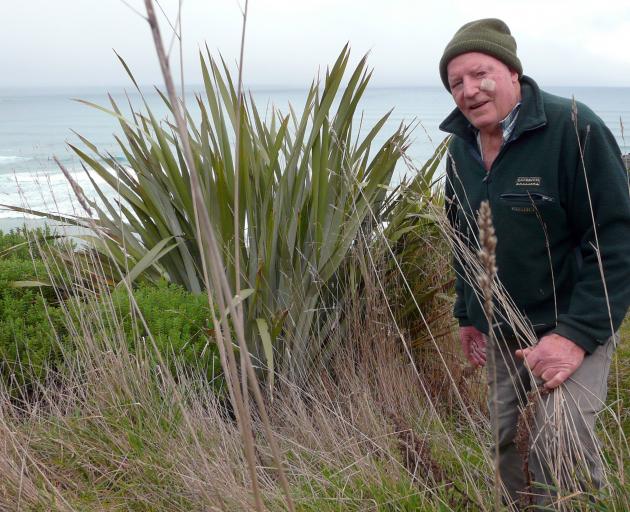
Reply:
x=178, y=320
x=14, y=243
x=33, y=324
x=27, y=328
x=27, y=335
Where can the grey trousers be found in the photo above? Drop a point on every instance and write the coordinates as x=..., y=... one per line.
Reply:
x=564, y=455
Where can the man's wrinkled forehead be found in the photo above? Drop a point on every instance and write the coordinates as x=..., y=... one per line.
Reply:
x=472, y=62
x=455, y=71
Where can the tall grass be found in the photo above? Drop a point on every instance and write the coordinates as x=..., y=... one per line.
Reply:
x=108, y=432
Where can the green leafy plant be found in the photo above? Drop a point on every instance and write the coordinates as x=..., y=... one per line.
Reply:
x=27, y=328
x=420, y=268
x=34, y=320
x=306, y=183
x=178, y=321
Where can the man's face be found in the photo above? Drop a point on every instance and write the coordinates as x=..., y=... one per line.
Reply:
x=484, y=89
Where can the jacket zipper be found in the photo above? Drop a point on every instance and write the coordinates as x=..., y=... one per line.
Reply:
x=527, y=197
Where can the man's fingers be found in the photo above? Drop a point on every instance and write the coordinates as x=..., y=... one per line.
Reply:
x=471, y=352
x=553, y=359
x=479, y=354
x=532, y=358
x=473, y=345
x=558, y=379
x=537, y=370
x=480, y=358
x=466, y=345
x=549, y=374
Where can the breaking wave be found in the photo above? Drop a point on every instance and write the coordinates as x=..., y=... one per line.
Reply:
x=10, y=159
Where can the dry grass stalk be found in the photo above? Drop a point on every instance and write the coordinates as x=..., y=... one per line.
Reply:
x=486, y=278
x=222, y=290
x=524, y=427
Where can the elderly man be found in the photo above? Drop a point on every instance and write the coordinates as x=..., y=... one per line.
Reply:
x=553, y=176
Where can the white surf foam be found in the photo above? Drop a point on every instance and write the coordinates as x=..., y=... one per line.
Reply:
x=47, y=192
x=7, y=159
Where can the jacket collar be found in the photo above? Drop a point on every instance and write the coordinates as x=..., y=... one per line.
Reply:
x=531, y=115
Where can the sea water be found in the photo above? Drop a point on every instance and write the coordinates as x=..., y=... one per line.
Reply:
x=37, y=124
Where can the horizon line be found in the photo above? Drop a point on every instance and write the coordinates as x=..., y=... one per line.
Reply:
x=267, y=87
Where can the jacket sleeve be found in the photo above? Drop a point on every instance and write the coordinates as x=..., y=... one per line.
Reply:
x=451, y=204
x=599, y=212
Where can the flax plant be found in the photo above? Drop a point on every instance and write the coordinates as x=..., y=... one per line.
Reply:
x=305, y=183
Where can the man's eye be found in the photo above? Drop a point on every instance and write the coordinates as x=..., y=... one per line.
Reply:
x=481, y=74
x=455, y=85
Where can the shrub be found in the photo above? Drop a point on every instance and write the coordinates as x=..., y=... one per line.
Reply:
x=33, y=323
x=178, y=320
x=27, y=326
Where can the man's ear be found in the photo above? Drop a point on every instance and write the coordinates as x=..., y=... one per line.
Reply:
x=513, y=76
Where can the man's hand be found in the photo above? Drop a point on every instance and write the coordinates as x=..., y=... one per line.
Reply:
x=473, y=344
x=553, y=359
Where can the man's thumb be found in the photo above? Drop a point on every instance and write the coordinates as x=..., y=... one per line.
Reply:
x=522, y=354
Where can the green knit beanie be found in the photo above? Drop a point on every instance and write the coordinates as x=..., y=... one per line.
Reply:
x=490, y=36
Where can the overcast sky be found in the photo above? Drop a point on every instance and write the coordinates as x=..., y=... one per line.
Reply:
x=70, y=42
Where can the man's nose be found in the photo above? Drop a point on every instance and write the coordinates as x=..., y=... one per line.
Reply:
x=471, y=87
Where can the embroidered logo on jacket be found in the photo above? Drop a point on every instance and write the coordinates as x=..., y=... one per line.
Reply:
x=528, y=181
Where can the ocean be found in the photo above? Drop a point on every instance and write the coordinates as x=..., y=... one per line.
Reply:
x=36, y=124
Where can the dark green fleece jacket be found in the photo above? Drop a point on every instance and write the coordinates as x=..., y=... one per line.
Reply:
x=560, y=202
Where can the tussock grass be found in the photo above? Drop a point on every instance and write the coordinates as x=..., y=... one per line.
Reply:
x=373, y=430
x=107, y=432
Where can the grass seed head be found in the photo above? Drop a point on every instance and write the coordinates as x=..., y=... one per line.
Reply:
x=487, y=255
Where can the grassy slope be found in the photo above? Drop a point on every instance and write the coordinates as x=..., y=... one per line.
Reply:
x=619, y=381
x=133, y=460
x=120, y=443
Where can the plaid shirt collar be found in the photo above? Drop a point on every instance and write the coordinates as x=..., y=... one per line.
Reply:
x=507, y=125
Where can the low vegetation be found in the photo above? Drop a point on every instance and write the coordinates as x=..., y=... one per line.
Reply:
x=103, y=429
x=38, y=323
x=113, y=432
